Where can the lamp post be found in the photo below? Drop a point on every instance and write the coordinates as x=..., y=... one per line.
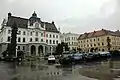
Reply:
x=51, y=50
x=63, y=49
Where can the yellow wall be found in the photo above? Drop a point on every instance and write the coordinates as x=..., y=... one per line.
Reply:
x=100, y=43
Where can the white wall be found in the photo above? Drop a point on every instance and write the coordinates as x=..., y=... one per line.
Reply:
x=70, y=40
x=27, y=36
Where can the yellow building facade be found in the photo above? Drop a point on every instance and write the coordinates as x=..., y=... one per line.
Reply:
x=97, y=41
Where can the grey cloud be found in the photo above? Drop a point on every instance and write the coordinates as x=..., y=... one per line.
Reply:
x=94, y=23
x=49, y=11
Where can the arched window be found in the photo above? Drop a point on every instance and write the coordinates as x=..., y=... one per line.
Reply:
x=37, y=25
x=50, y=35
x=57, y=42
x=9, y=38
x=30, y=39
x=23, y=39
x=18, y=48
x=56, y=36
x=46, y=41
x=41, y=40
x=53, y=41
x=50, y=42
x=53, y=36
x=19, y=39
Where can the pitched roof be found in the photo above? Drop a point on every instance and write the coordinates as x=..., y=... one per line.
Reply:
x=50, y=27
x=23, y=23
x=99, y=33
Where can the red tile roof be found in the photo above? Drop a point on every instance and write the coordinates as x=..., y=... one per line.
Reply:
x=99, y=33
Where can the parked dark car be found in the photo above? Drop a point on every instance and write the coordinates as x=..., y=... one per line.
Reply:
x=77, y=57
x=105, y=54
x=88, y=56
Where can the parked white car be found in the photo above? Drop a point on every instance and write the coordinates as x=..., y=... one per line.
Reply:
x=51, y=59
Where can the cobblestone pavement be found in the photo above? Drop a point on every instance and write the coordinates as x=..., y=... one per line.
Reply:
x=40, y=70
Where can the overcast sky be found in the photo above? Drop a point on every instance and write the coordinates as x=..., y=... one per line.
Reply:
x=76, y=16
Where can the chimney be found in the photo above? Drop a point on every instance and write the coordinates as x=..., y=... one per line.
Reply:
x=9, y=15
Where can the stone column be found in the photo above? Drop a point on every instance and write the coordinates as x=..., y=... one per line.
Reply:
x=44, y=50
x=36, y=50
x=29, y=50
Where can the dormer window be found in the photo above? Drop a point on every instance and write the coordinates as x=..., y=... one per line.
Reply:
x=37, y=25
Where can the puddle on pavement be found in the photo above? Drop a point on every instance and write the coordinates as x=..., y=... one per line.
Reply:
x=106, y=70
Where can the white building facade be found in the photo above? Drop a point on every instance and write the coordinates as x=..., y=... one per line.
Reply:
x=35, y=37
x=70, y=39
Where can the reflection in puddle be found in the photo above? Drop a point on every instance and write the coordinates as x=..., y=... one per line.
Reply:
x=105, y=70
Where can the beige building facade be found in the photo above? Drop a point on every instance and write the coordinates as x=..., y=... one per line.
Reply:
x=70, y=39
x=97, y=41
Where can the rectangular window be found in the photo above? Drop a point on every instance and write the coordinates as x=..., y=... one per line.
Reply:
x=50, y=42
x=41, y=40
x=31, y=33
x=41, y=34
x=72, y=43
x=23, y=39
x=18, y=47
x=24, y=33
x=90, y=40
x=19, y=39
x=87, y=45
x=36, y=33
x=91, y=45
x=19, y=32
x=102, y=44
x=53, y=41
x=87, y=40
x=65, y=39
x=98, y=39
x=98, y=44
x=56, y=36
x=81, y=41
x=53, y=36
x=57, y=42
x=36, y=39
x=30, y=39
x=9, y=38
x=9, y=31
x=50, y=35
x=23, y=47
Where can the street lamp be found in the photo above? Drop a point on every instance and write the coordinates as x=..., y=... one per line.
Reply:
x=63, y=49
x=51, y=50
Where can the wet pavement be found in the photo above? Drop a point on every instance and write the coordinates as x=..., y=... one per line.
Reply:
x=40, y=70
